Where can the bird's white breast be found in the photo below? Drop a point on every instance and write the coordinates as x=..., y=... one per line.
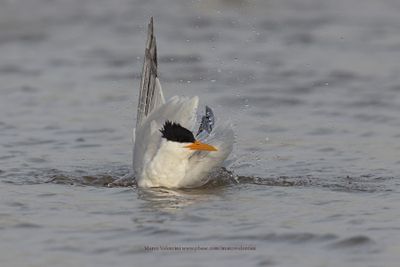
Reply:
x=167, y=168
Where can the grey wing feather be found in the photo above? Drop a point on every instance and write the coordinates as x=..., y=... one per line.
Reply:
x=207, y=124
x=150, y=94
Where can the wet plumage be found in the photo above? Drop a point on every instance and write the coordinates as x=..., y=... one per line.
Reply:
x=166, y=151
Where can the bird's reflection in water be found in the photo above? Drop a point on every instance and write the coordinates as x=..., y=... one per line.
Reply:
x=166, y=212
x=171, y=200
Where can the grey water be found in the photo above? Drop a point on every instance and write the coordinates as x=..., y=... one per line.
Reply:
x=312, y=89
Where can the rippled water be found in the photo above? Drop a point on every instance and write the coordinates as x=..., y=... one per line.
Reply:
x=312, y=88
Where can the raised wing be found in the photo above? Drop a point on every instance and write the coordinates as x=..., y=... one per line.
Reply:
x=150, y=95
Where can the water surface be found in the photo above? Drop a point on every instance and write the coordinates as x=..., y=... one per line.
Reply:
x=312, y=89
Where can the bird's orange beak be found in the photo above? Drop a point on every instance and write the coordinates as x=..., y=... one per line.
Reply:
x=197, y=145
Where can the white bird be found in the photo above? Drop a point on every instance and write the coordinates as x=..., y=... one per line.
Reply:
x=166, y=151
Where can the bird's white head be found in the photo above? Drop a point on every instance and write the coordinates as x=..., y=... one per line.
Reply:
x=176, y=133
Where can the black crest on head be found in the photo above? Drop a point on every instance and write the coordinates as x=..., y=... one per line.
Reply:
x=175, y=132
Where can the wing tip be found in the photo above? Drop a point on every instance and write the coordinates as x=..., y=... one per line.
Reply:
x=150, y=27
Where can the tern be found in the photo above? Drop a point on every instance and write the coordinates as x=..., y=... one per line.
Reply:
x=167, y=151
